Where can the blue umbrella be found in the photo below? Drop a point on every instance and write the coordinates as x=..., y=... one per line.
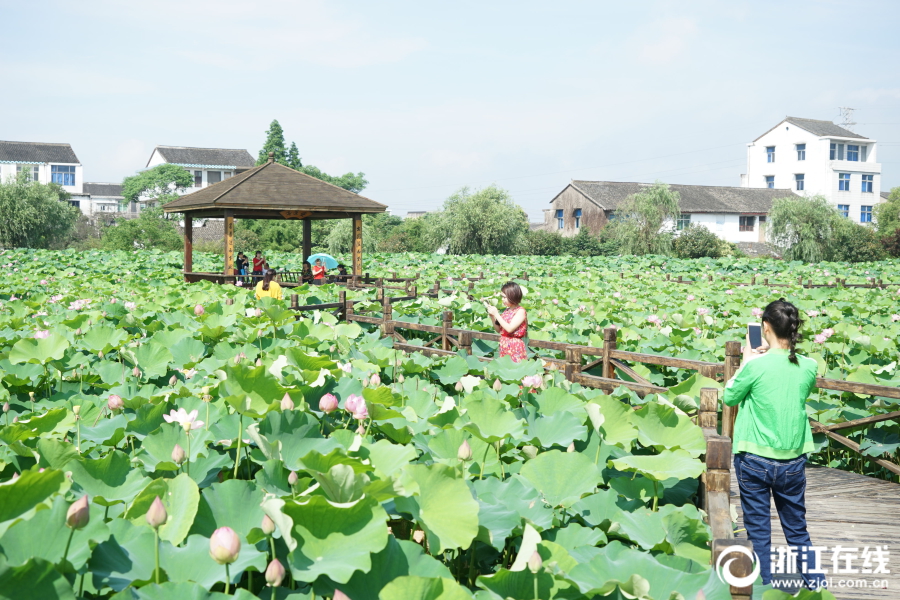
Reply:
x=327, y=260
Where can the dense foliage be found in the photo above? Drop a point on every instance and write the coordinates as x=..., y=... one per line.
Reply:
x=641, y=218
x=34, y=215
x=697, y=241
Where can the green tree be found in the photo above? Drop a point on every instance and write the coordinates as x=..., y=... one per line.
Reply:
x=853, y=242
x=34, y=215
x=293, y=158
x=274, y=143
x=698, y=242
x=803, y=228
x=353, y=182
x=160, y=184
x=149, y=230
x=639, y=221
x=887, y=214
x=376, y=229
x=485, y=221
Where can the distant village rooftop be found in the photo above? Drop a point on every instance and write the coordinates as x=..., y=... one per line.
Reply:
x=819, y=128
x=200, y=158
x=37, y=152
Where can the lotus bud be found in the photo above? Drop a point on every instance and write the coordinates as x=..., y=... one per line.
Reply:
x=401, y=378
x=535, y=563
x=268, y=525
x=274, y=573
x=178, y=455
x=375, y=380
x=173, y=380
x=328, y=403
x=465, y=451
x=79, y=514
x=292, y=478
x=224, y=546
x=700, y=595
x=571, y=447
x=115, y=402
x=76, y=410
x=497, y=385
x=78, y=331
x=157, y=515
x=205, y=390
x=6, y=407
x=286, y=402
x=365, y=382
x=100, y=354
x=16, y=420
x=258, y=362
x=258, y=312
x=529, y=451
x=459, y=386
x=198, y=310
x=361, y=430
x=31, y=396
x=339, y=595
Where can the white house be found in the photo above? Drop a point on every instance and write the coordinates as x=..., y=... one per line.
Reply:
x=818, y=157
x=106, y=199
x=44, y=163
x=734, y=214
x=207, y=165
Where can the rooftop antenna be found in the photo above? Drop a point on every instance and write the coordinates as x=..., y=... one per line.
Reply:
x=847, y=121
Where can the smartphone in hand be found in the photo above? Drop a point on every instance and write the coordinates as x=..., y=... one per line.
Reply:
x=754, y=331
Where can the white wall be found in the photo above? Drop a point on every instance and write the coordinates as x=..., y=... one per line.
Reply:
x=727, y=226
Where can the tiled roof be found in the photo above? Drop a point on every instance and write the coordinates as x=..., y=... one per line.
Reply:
x=274, y=187
x=609, y=195
x=207, y=157
x=819, y=128
x=110, y=190
x=885, y=195
x=37, y=152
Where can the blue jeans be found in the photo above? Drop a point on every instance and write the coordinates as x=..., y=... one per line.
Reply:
x=785, y=480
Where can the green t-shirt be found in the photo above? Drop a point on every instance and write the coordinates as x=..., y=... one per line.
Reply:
x=772, y=393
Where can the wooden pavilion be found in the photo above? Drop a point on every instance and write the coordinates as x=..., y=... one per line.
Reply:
x=269, y=191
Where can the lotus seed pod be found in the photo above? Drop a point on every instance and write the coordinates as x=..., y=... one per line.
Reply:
x=529, y=451
x=535, y=563
x=274, y=573
x=497, y=385
x=292, y=478
x=459, y=386
x=178, y=455
x=268, y=525
x=173, y=380
x=136, y=373
x=198, y=310
x=115, y=402
x=571, y=447
x=224, y=546
x=465, y=451
x=287, y=403
x=79, y=514
x=375, y=380
x=328, y=403
x=157, y=515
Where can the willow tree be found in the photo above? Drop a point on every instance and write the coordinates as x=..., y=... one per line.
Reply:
x=803, y=228
x=485, y=221
x=641, y=220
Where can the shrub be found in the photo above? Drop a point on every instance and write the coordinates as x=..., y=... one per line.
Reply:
x=542, y=243
x=891, y=243
x=696, y=241
x=853, y=242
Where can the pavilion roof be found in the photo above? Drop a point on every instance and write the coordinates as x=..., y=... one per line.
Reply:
x=273, y=188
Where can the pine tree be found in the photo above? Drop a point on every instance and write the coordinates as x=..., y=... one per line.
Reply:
x=293, y=158
x=274, y=143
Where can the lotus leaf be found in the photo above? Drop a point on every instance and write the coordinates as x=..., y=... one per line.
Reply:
x=562, y=477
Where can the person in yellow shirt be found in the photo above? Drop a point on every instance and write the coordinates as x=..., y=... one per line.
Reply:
x=268, y=288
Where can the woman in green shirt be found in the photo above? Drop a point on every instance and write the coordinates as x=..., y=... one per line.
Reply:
x=772, y=438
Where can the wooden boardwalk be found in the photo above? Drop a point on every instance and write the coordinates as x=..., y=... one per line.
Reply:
x=851, y=510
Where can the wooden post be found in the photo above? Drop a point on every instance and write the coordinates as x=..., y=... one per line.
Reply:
x=708, y=371
x=679, y=279
x=465, y=341
x=447, y=324
x=188, y=243
x=229, y=242
x=525, y=275
x=437, y=286
x=732, y=364
x=342, y=299
x=414, y=291
x=357, y=245
x=348, y=310
x=387, y=318
x=307, y=238
x=753, y=280
x=668, y=276
x=379, y=294
x=573, y=363
x=229, y=301
x=766, y=281
x=609, y=344
x=709, y=408
x=742, y=566
x=295, y=301
x=622, y=275
x=809, y=284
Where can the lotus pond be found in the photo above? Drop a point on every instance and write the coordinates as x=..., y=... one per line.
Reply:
x=211, y=440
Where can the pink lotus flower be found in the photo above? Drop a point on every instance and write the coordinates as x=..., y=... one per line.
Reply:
x=293, y=478
x=239, y=283
x=328, y=403
x=345, y=367
x=198, y=310
x=690, y=298
x=187, y=420
x=339, y=595
x=130, y=305
x=79, y=513
x=812, y=313
x=178, y=454
x=757, y=312
x=617, y=295
x=654, y=319
x=465, y=451
x=555, y=302
x=258, y=312
x=820, y=339
x=41, y=334
x=115, y=402
x=702, y=311
x=729, y=292
x=356, y=405
x=43, y=282
x=532, y=381
x=828, y=332
x=895, y=318
x=156, y=515
x=268, y=525
x=697, y=331
x=286, y=402
x=224, y=546
x=361, y=430
x=275, y=573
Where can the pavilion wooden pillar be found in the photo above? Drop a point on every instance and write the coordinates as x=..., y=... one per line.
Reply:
x=307, y=238
x=188, y=244
x=229, y=242
x=357, y=246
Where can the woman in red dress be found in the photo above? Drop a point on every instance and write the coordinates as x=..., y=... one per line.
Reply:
x=318, y=271
x=512, y=325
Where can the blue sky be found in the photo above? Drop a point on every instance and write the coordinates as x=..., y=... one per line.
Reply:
x=427, y=97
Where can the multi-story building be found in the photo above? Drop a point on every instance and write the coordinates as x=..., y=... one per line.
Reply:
x=815, y=157
x=44, y=163
x=207, y=165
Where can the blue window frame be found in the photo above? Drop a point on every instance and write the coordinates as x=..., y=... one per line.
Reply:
x=844, y=209
x=853, y=152
x=62, y=174
x=770, y=181
x=801, y=151
x=798, y=178
x=559, y=219
x=865, y=214
x=770, y=154
x=844, y=182
x=867, y=183
x=577, y=218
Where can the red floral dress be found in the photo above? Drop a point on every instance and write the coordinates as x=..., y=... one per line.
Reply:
x=511, y=344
